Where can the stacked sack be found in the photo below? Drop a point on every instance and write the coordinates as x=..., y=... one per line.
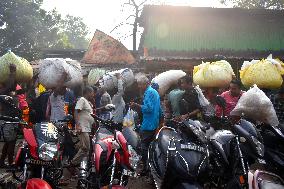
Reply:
x=24, y=72
x=52, y=69
x=216, y=74
x=266, y=73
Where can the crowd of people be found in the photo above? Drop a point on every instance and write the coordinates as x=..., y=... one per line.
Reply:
x=180, y=103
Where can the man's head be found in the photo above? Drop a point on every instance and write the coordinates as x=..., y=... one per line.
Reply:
x=235, y=87
x=88, y=93
x=186, y=83
x=143, y=82
x=281, y=93
x=60, y=90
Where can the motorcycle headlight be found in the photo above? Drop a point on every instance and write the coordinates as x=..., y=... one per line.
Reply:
x=47, y=151
x=259, y=146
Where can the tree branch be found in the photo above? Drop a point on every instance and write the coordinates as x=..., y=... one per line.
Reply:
x=142, y=3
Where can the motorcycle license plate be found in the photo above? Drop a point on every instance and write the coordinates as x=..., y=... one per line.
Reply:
x=193, y=147
x=129, y=173
x=39, y=162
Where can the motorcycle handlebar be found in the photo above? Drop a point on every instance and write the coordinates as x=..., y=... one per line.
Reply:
x=8, y=118
x=110, y=125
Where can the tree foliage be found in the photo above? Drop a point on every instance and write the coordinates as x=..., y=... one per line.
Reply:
x=26, y=28
x=266, y=4
x=76, y=31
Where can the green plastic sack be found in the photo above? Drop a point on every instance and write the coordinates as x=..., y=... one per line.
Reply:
x=95, y=75
x=24, y=71
x=215, y=74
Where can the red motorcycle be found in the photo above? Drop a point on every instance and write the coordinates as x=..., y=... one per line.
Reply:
x=40, y=153
x=113, y=158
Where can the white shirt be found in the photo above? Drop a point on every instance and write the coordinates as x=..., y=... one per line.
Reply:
x=85, y=121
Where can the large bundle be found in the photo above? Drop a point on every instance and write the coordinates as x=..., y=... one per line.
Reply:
x=24, y=71
x=215, y=74
x=255, y=105
x=265, y=73
x=167, y=79
x=95, y=75
x=51, y=71
x=109, y=80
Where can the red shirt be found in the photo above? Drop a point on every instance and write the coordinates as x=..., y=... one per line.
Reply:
x=231, y=102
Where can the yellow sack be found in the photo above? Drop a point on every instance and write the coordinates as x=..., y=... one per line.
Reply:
x=215, y=74
x=265, y=73
x=24, y=72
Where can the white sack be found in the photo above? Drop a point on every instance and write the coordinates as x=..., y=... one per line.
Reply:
x=51, y=70
x=109, y=80
x=166, y=79
x=255, y=105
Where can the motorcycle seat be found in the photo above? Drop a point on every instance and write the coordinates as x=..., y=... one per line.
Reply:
x=103, y=133
x=264, y=184
x=164, y=138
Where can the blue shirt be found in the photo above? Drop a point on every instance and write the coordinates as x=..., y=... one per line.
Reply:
x=151, y=110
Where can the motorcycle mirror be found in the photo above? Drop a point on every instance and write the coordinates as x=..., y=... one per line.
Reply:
x=110, y=107
x=220, y=101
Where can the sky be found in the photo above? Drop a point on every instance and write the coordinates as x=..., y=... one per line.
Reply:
x=106, y=14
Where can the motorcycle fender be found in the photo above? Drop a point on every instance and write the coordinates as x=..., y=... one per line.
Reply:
x=37, y=183
x=18, y=155
x=31, y=140
x=97, y=156
x=123, y=144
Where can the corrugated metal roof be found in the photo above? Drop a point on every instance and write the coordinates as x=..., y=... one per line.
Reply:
x=176, y=32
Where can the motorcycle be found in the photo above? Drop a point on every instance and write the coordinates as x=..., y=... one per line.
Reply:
x=31, y=183
x=179, y=157
x=273, y=138
x=251, y=151
x=114, y=157
x=40, y=153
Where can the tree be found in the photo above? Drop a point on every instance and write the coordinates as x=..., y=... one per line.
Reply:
x=266, y=4
x=76, y=31
x=27, y=28
x=136, y=7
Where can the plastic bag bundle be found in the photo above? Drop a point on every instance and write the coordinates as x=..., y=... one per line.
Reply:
x=129, y=120
x=202, y=100
x=166, y=79
x=255, y=105
x=215, y=74
x=24, y=72
x=109, y=80
x=266, y=73
x=51, y=71
x=95, y=75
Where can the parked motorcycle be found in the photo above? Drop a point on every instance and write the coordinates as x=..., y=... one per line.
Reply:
x=273, y=138
x=114, y=157
x=179, y=157
x=40, y=153
x=252, y=151
x=26, y=182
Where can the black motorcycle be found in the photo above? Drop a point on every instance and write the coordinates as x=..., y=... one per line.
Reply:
x=179, y=157
x=273, y=139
